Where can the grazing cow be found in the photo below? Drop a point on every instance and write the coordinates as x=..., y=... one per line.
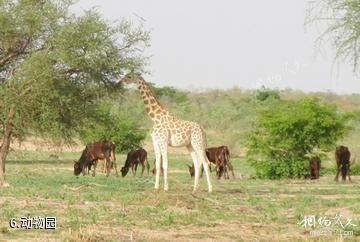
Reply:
x=220, y=157
x=342, y=157
x=92, y=153
x=229, y=165
x=103, y=164
x=88, y=167
x=134, y=158
x=315, y=164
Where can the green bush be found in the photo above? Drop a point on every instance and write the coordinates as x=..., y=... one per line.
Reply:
x=118, y=127
x=327, y=171
x=265, y=93
x=176, y=95
x=355, y=169
x=275, y=169
x=286, y=133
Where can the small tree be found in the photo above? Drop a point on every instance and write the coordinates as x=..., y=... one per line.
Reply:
x=54, y=67
x=287, y=131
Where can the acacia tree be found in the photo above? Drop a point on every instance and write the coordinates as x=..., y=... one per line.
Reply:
x=342, y=18
x=54, y=66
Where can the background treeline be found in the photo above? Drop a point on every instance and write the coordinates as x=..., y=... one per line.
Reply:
x=228, y=115
x=276, y=131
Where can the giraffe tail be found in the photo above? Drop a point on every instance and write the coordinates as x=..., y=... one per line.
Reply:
x=205, y=146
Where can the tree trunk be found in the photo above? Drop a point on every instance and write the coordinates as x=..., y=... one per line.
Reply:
x=5, y=143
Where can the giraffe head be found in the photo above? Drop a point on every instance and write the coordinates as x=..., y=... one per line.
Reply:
x=131, y=77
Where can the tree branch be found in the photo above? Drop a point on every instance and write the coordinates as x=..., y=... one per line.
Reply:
x=15, y=53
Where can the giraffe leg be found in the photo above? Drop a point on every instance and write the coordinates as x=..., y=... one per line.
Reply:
x=157, y=163
x=163, y=149
x=196, y=167
x=202, y=157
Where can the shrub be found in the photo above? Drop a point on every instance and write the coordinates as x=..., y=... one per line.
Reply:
x=118, y=127
x=355, y=169
x=275, y=169
x=286, y=132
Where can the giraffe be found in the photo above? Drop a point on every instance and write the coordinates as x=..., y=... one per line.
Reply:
x=168, y=130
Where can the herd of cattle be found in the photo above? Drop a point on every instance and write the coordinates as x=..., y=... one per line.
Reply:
x=219, y=156
x=105, y=152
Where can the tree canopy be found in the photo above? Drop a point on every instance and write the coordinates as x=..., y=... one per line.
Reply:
x=54, y=66
x=342, y=20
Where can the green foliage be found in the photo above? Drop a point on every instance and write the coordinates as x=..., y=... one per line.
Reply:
x=228, y=115
x=118, y=127
x=283, y=136
x=55, y=66
x=276, y=169
x=355, y=169
x=176, y=96
x=265, y=93
x=343, y=31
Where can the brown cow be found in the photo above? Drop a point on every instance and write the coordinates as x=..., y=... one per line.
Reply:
x=228, y=163
x=220, y=157
x=134, y=158
x=103, y=165
x=315, y=164
x=217, y=155
x=104, y=162
x=94, y=152
x=342, y=157
x=88, y=167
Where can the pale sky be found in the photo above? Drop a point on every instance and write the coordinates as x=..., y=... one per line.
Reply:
x=202, y=44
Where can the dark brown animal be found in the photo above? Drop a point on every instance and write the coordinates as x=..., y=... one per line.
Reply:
x=103, y=164
x=228, y=163
x=220, y=157
x=94, y=152
x=315, y=164
x=89, y=166
x=133, y=159
x=342, y=157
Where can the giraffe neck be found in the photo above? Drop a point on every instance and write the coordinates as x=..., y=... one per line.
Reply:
x=152, y=105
